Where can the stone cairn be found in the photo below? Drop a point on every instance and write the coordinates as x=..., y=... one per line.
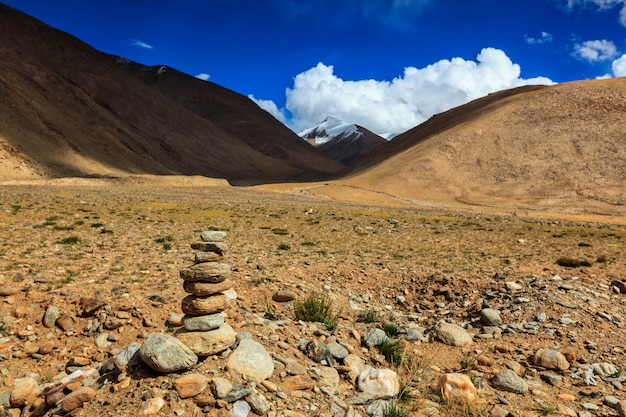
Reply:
x=204, y=330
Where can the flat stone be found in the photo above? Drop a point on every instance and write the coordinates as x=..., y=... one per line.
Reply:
x=329, y=377
x=193, y=305
x=77, y=398
x=8, y=291
x=512, y=286
x=207, y=272
x=203, y=289
x=337, y=351
x=240, y=409
x=507, y=380
x=203, y=323
x=210, y=342
x=151, y=407
x=190, y=385
x=123, y=358
x=378, y=383
x=90, y=305
x=252, y=360
x=201, y=257
x=212, y=236
x=284, y=296
x=452, y=335
x=552, y=379
x=237, y=393
x=550, y=359
x=218, y=247
x=166, y=354
x=258, y=403
x=298, y=383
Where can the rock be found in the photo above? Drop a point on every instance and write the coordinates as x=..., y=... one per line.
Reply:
x=203, y=289
x=378, y=383
x=498, y=411
x=237, y=393
x=50, y=316
x=337, y=351
x=123, y=358
x=566, y=397
x=318, y=351
x=375, y=337
x=47, y=347
x=457, y=388
x=217, y=247
x=212, y=236
x=240, y=409
x=355, y=365
x=203, y=323
x=251, y=360
x=621, y=408
x=452, y=335
x=175, y=319
x=284, y=296
x=8, y=291
x=230, y=294
x=77, y=398
x=151, y=407
x=212, y=272
x=190, y=385
x=102, y=341
x=550, y=359
x=329, y=377
x=620, y=285
x=507, y=380
x=490, y=317
x=193, y=305
x=210, y=342
x=65, y=322
x=200, y=257
x=220, y=387
x=166, y=354
x=25, y=391
x=90, y=305
x=258, y=403
x=298, y=383
x=552, y=379
x=512, y=286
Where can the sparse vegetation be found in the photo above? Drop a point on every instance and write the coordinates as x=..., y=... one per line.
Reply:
x=368, y=316
x=394, y=409
x=284, y=246
x=545, y=410
x=390, y=329
x=392, y=350
x=71, y=240
x=317, y=308
x=280, y=232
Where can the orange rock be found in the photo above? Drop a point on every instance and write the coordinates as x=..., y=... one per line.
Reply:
x=77, y=398
x=457, y=388
x=566, y=397
x=190, y=385
x=298, y=382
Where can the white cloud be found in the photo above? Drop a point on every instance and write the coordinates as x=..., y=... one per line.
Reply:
x=203, y=76
x=404, y=102
x=602, y=5
x=545, y=37
x=270, y=107
x=619, y=66
x=140, y=44
x=595, y=51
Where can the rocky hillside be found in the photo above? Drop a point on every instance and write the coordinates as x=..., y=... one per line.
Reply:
x=69, y=110
x=557, y=148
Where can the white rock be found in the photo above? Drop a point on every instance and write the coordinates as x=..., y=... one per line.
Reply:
x=379, y=383
x=252, y=360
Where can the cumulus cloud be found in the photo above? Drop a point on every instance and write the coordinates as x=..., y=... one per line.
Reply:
x=595, y=51
x=545, y=37
x=619, y=66
x=203, y=76
x=405, y=101
x=270, y=107
x=140, y=44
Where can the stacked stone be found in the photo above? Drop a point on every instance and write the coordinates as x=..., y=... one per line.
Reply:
x=204, y=330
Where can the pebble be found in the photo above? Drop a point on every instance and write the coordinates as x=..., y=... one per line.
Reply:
x=490, y=317
x=258, y=403
x=378, y=383
x=212, y=236
x=8, y=291
x=190, y=385
x=457, y=388
x=240, y=409
x=203, y=323
x=25, y=390
x=590, y=406
x=77, y=398
x=284, y=296
x=213, y=272
x=50, y=316
x=551, y=359
x=151, y=407
x=375, y=337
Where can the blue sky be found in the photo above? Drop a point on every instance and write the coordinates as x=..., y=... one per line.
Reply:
x=385, y=64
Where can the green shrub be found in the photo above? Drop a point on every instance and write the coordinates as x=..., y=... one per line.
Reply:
x=69, y=240
x=392, y=350
x=368, y=316
x=316, y=308
x=280, y=232
x=284, y=246
x=390, y=329
x=393, y=409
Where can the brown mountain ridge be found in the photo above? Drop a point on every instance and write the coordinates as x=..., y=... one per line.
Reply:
x=69, y=110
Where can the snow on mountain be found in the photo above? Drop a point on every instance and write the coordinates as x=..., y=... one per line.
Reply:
x=331, y=128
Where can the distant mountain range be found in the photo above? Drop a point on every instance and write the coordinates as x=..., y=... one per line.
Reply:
x=340, y=141
x=68, y=110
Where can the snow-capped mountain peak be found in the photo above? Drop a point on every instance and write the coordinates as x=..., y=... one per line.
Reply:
x=330, y=128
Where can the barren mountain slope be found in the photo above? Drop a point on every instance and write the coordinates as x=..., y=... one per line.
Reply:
x=68, y=110
x=561, y=147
